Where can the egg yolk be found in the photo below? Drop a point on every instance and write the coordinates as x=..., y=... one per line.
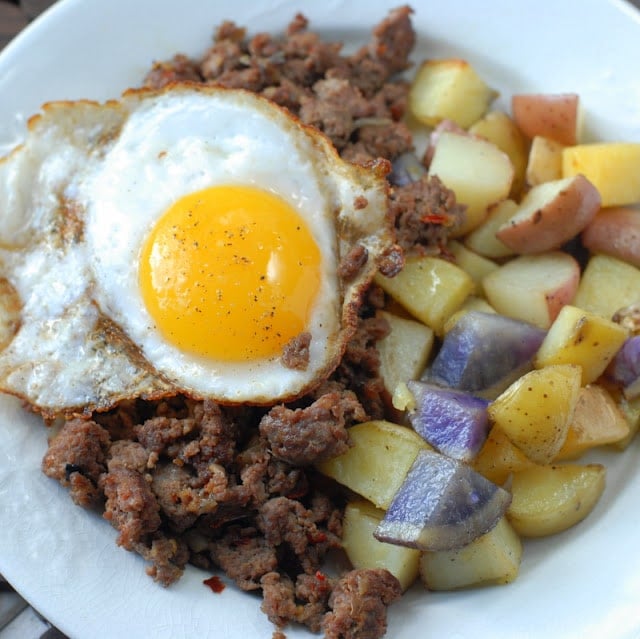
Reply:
x=231, y=273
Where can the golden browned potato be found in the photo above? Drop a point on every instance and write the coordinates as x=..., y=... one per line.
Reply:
x=597, y=420
x=378, y=462
x=429, y=288
x=361, y=519
x=581, y=337
x=607, y=285
x=536, y=410
x=611, y=166
x=493, y=558
x=550, y=499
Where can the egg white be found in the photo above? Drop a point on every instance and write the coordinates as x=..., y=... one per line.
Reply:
x=117, y=168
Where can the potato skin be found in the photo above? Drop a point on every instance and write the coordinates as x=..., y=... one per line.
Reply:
x=615, y=231
x=550, y=215
x=553, y=116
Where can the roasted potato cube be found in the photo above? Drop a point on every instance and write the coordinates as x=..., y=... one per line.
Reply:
x=449, y=89
x=580, y=337
x=597, y=420
x=536, y=410
x=404, y=351
x=611, y=166
x=378, y=462
x=607, y=285
x=499, y=457
x=477, y=171
x=499, y=128
x=491, y=559
x=550, y=499
x=361, y=518
x=429, y=288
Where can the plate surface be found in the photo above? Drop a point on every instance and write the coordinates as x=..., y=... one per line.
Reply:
x=582, y=583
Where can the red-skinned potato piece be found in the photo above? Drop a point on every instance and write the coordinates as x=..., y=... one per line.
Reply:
x=552, y=115
x=615, y=231
x=533, y=288
x=551, y=214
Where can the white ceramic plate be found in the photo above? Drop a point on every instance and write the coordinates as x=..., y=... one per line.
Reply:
x=583, y=583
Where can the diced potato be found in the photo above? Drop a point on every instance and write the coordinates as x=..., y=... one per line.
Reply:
x=545, y=161
x=471, y=263
x=364, y=551
x=550, y=499
x=533, y=288
x=493, y=558
x=607, y=285
x=402, y=398
x=550, y=215
x=536, y=410
x=499, y=128
x=499, y=457
x=479, y=173
x=430, y=288
x=557, y=116
x=597, y=421
x=472, y=303
x=483, y=239
x=378, y=462
x=449, y=89
x=611, y=166
x=615, y=231
x=630, y=408
x=404, y=351
x=580, y=337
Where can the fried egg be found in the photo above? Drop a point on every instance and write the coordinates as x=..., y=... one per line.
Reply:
x=188, y=240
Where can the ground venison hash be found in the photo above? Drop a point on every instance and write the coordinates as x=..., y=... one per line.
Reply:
x=234, y=488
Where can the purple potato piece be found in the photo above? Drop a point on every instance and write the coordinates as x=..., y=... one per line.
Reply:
x=405, y=169
x=624, y=369
x=443, y=504
x=454, y=422
x=484, y=352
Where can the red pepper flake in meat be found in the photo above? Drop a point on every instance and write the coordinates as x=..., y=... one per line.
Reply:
x=317, y=538
x=435, y=218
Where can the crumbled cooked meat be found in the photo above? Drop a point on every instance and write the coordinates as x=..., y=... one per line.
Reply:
x=287, y=521
x=359, y=369
x=167, y=556
x=391, y=262
x=359, y=605
x=352, y=262
x=128, y=454
x=334, y=107
x=179, y=69
x=179, y=501
x=425, y=212
x=234, y=488
x=131, y=507
x=393, y=39
x=245, y=556
x=305, y=601
x=278, y=598
x=305, y=436
x=295, y=354
x=77, y=457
